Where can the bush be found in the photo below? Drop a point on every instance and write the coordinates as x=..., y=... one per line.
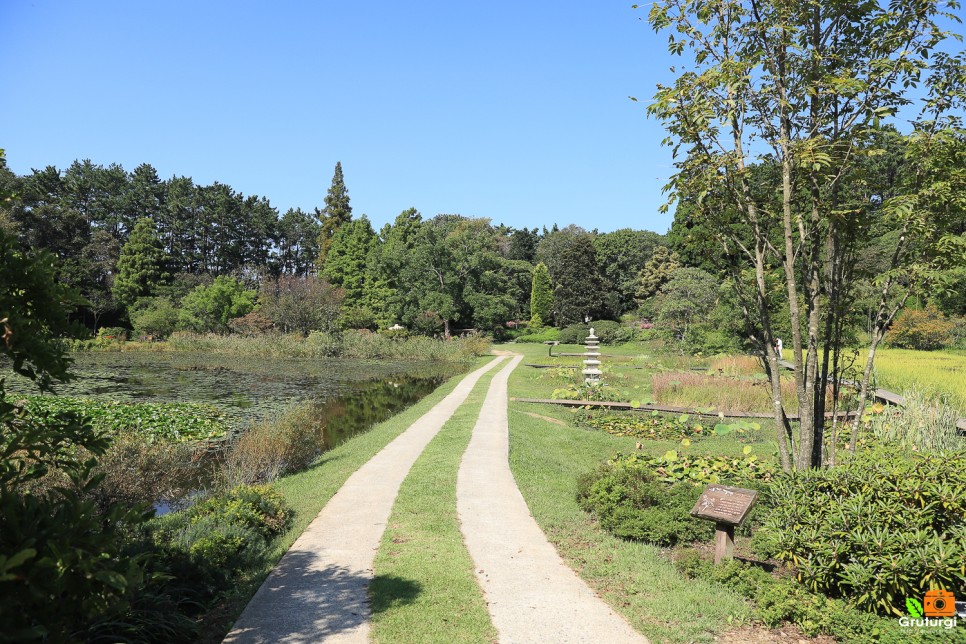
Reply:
x=548, y=334
x=925, y=330
x=155, y=316
x=608, y=331
x=634, y=505
x=778, y=600
x=208, y=545
x=269, y=449
x=878, y=529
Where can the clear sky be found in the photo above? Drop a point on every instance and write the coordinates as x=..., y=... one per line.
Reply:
x=513, y=110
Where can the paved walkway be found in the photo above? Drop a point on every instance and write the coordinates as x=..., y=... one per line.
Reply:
x=318, y=591
x=531, y=594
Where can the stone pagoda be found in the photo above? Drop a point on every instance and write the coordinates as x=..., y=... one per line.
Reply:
x=591, y=370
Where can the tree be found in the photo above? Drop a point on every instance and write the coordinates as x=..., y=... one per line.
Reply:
x=541, y=297
x=802, y=88
x=655, y=273
x=621, y=255
x=385, y=294
x=687, y=298
x=297, y=241
x=345, y=263
x=141, y=265
x=336, y=212
x=299, y=304
x=579, y=289
x=451, y=271
x=211, y=308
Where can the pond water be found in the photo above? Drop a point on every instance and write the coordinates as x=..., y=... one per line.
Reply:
x=352, y=394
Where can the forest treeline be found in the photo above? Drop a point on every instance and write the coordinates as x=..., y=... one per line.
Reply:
x=156, y=256
x=161, y=254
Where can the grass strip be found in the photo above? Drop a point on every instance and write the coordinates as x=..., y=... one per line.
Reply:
x=425, y=589
x=308, y=491
x=546, y=460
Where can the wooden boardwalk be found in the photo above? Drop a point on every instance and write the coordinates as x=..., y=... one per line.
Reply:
x=623, y=406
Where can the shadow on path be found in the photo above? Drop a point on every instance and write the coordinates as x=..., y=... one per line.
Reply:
x=319, y=603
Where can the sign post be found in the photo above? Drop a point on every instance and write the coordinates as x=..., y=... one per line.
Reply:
x=728, y=507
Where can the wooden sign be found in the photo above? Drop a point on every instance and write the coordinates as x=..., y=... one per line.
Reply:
x=725, y=504
x=728, y=507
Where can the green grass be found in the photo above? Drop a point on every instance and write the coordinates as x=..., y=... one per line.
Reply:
x=307, y=493
x=634, y=578
x=423, y=548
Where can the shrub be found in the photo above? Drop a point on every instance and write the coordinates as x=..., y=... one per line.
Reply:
x=925, y=330
x=608, y=331
x=300, y=304
x=207, y=545
x=269, y=449
x=549, y=334
x=778, y=600
x=210, y=308
x=156, y=316
x=634, y=505
x=878, y=529
x=252, y=324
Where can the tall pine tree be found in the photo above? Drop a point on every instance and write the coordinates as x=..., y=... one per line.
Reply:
x=541, y=297
x=140, y=268
x=337, y=211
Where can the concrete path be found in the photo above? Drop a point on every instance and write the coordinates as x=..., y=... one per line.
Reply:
x=318, y=591
x=531, y=594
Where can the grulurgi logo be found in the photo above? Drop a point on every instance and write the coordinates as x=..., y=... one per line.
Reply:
x=938, y=608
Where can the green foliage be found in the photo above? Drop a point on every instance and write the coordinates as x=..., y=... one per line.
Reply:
x=621, y=255
x=925, y=423
x=648, y=426
x=141, y=265
x=34, y=313
x=634, y=505
x=608, y=331
x=673, y=467
x=346, y=261
x=541, y=297
x=300, y=304
x=211, y=308
x=336, y=212
x=656, y=272
x=209, y=545
x=156, y=316
x=685, y=300
x=779, y=600
x=152, y=421
x=548, y=334
x=925, y=330
x=878, y=529
x=579, y=287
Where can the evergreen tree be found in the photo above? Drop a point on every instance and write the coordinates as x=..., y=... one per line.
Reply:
x=656, y=272
x=141, y=266
x=580, y=289
x=541, y=297
x=337, y=212
x=345, y=265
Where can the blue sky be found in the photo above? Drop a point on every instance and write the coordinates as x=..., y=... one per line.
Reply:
x=516, y=111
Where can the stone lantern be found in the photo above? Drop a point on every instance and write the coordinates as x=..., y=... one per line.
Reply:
x=592, y=359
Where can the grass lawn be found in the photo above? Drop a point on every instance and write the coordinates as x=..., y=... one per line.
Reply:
x=423, y=546
x=307, y=493
x=636, y=579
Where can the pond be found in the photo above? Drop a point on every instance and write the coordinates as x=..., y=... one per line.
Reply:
x=352, y=394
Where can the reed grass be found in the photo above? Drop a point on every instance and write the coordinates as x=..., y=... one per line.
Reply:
x=696, y=390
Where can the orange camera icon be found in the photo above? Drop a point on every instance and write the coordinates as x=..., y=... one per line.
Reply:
x=939, y=603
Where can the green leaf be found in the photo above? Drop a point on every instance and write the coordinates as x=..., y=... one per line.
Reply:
x=914, y=607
